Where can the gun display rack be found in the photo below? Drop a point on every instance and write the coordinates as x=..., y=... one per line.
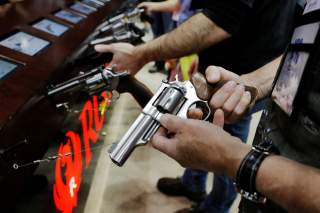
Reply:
x=28, y=122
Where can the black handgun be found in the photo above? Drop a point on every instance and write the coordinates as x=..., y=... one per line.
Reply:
x=98, y=79
x=104, y=78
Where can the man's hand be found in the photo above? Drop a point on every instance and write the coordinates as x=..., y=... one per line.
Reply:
x=149, y=6
x=230, y=95
x=163, y=6
x=199, y=144
x=124, y=56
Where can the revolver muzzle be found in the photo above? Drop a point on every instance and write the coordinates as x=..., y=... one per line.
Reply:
x=139, y=134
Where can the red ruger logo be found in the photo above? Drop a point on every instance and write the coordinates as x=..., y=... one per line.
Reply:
x=67, y=184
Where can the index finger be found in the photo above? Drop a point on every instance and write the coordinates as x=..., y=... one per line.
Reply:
x=103, y=48
x=162, y=143
x=195, y=114
x=171, y=122
x=141, y=5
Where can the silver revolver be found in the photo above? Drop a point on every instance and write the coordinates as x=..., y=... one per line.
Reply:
x=130, y=15
x=100, y=78
x=126, y=36
x=172, y=97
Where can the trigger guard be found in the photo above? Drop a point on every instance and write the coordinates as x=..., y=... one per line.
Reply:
x=205, y=108
x=208, y=113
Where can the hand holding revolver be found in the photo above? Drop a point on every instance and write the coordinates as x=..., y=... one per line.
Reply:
x=200, y=145
x=175, y=98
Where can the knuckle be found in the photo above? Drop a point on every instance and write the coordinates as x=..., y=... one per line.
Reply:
x=214, y=103
x=240, y=89
x=244, y=101
x=229, y=87
x=227, y=108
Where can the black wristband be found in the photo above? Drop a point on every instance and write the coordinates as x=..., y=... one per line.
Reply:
x=247, y=172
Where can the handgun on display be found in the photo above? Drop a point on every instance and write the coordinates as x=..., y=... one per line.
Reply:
x=103, y=78
x=130, y=33
x=115, y=27
x=135, y=15
x=132, y=15
x=172, y=97
x=98, y=79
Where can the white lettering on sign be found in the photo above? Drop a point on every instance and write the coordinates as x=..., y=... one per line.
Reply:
x=72, y=186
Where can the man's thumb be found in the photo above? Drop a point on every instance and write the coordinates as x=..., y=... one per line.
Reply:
x=216, y=74
x=213, y=74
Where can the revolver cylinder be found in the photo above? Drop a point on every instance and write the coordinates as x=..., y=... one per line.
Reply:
x=169, y=100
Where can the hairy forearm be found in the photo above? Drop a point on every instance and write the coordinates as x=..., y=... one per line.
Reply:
x=194, y=35
x=292, y=185
x=262, y=78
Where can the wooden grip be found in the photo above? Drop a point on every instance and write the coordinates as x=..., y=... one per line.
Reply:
x=203, y=89
x=141, y=93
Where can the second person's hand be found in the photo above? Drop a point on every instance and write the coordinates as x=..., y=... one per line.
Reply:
x=230, y=95
x=125, y=56
x=199, y=144
x=148, y=6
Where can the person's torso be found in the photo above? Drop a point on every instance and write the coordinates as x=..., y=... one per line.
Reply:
x=263, y=37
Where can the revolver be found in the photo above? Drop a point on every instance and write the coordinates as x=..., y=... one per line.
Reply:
x=115, y=27
x=121, y=26
x=172, y=97
x=101, y=78
x=131, y=34
x=130, y=15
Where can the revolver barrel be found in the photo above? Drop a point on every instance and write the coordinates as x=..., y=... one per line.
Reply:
x=137, y=134
x=73, y=83
x=114, y=38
